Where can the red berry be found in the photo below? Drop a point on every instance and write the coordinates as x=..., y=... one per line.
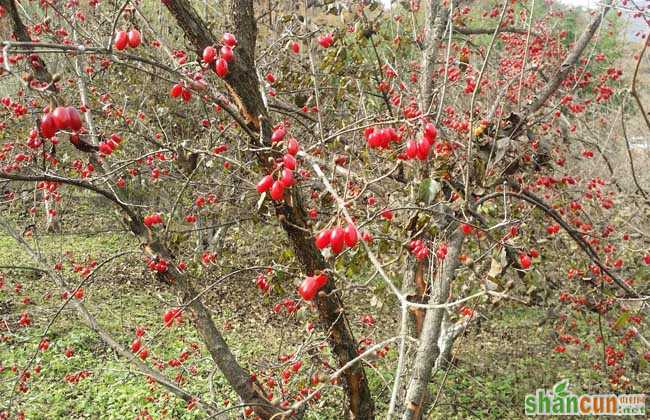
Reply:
x=176, y=91
x=430, y=133
x=48, y=126
x=229, y=39
x=287, y=178
x=411, y=149
x=44, y=344
x=374, y=139
x=277, y=191
x=61, y=118
x=104, y=148
x=423, y=149
x=441, y=253
x=264, y=184
x=293, y=147
x=467, y=229
x=136, y=345
x=326, y=41
x=74, y=117
x=112, y=144
x=289, y=161
x=121, y=40
x=209, y=53
x=221, y=67
x=351, y=236
x=295, y=47
x=278, y=134
x=134, y=38
x=524, y=261
x=311, y=285
x=323, y=239
x=226, y=53
x=337, y=239
x=387, y=214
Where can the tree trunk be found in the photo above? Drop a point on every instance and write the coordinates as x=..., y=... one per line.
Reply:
x=428, y=351
x=244, y=88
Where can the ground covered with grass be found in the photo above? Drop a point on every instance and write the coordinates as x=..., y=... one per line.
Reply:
x=497, y=361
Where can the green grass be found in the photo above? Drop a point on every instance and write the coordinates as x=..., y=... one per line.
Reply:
x=496, y=364
x=114, y=389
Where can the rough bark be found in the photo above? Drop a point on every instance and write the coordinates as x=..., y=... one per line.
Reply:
x=428, y=350
x=449, y=332
x=244, y=88
x=435, y=26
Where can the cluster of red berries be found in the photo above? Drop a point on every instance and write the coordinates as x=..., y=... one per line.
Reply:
x=179, y=89
x=289, y=304
x=466, y=311
x=62, y=118
x=131, y=39
x=136, y=345
x=78, y=294
x=368, y=320
x=553, y=229
x=262, y=283
x=419, y=249
x=381, y=138
x=160, y=265
x=44, y=344
x=74, y=378
x=326, y=40
x=311, y=285
x=34, y=142
x=269, y=183
x=24, y=320
x=225, y=54
x=174, y=314
x=182, y=358
x=420, y=149
x=337, y=238
x=152, y=220
x=108, y=147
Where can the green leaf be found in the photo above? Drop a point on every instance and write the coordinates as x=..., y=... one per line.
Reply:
x=560, y=388
x=429, y=189
x=622, y=320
